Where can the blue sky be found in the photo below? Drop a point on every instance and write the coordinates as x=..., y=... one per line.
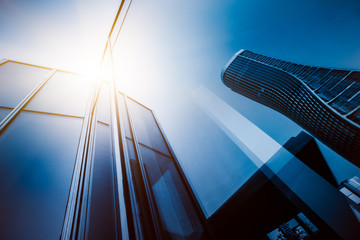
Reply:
x=168, y=50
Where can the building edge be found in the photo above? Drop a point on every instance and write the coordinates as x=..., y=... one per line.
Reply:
x=229, y=62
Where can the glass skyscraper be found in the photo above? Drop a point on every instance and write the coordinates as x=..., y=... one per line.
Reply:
x=73, y=168
x=81, y=160
x=324, y=101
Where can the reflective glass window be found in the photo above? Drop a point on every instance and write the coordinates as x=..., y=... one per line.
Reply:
x=177, y=213
x=308, y=73
x=17, y=81
x=64, y=93
x=303, y=71
x=355, y=116
x=103, y=114
x=317, y=79
x=146, y=129
x=141, y=198
x=4, y=112
x=102, y=223
x=37, y=159
x=334, y=84
x=124, y=115
x=297, y=69
x=349, y=99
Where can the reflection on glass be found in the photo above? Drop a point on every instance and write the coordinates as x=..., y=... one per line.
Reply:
x=104, y=104
x=142, y=207
x=37, y=159
x=177, y=214
x=146, y=129
x=4, y=112
x=102, y=205
x=17, y=81
x=123, y=112
x=64, y=93
x=293, y=176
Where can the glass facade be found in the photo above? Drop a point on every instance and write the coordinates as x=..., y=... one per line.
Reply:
x=81, y=160
x=59, y=166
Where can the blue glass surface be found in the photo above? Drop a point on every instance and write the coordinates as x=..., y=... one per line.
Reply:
x=64, y=93
x=37, y=159
x=17, y=81
x=124, y=115
x=142, y=211
x=146, y=129
x=177, y=214
x=4, y=112
x=295, y=178
x=102, y=224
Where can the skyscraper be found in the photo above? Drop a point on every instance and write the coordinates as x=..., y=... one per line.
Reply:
x=67, y=172
x=81, y=160
x=324, y=101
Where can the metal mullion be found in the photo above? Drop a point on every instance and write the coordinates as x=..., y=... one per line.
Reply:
x=11, y=116
x=339, y=94
x=152, y=149
x=82, y=205
x=118, y=153
x=3, y=61
x=87, y=184
x=137, y=226
x=8, y=108
x=72, y=221
x=50, y=113
x=122, y=23
x=331, y=77
x=88, y=158
x=153, y=209
x=187, y=186
x=351, y=112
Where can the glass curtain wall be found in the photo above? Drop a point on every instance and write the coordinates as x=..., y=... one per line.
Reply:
x=159, y=201
x=81, y=160
x=39, y=140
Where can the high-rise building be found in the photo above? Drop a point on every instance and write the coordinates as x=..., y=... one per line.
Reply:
x=76, y=163
x=81, y=160
x=324, y=101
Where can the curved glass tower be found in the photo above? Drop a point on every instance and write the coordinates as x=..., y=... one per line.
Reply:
x=324, y=101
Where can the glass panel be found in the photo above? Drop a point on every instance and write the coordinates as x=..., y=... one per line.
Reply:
x=303, y=72
x=64, y=93
x=142, y=207
x=146, y=129
x=345, y=191
x=4, y=112
x=334, y=84
x=103, y=114
x=297, y=69
x=348, y=100
x=37, y=159
x=123, y=112
x=102, y=224
x=177, y=213
x=308, y=73
x=17, y=81
x=355, y=116
x=317, y=79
